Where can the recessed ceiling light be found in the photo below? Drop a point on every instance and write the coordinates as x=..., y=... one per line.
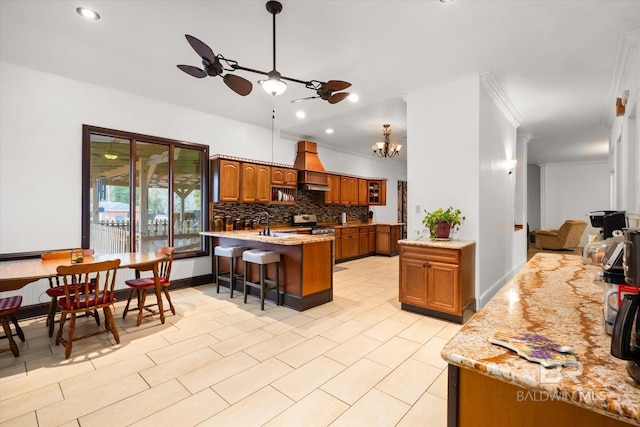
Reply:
x=329, y=130
x=88, y=13
x=354, y=97
x=300, y=114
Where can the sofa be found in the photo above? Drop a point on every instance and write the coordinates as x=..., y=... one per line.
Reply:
x=566, y=237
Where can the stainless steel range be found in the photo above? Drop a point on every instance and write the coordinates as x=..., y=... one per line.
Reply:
x=310, y=221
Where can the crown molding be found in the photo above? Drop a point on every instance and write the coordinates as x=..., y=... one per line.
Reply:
x=525, y=136
x=625, y=60
x=574, y=163
x=501, y=99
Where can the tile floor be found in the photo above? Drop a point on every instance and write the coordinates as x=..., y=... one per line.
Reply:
x=357, y=361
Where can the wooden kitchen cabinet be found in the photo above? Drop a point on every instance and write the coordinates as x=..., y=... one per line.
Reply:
x=225, y=185
x=284, y=185
x=438, y=280
x=284, y=176
x=255, y=183
x=337, y=236
x=387, y=236
x=348, y=190
x=331, y=197
x=363, y=192
x=372, y=239
x=377, y=192
x=363, y=240
x=350, y=242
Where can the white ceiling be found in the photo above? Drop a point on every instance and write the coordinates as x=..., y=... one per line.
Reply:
x=555, y=60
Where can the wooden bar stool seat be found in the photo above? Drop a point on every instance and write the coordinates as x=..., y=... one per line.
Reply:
x=262, y=258
x=231, y=252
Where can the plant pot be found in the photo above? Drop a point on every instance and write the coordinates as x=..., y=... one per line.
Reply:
x=442, y=230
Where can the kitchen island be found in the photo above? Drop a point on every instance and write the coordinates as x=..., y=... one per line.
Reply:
x=559, y=297
x=306, y=266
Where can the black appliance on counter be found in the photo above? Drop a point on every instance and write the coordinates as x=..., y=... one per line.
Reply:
x=625, y=342
x=608, y=221
x=310, y=221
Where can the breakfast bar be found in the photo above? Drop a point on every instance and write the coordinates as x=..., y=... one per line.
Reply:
x=306, y=267
x=559, y=297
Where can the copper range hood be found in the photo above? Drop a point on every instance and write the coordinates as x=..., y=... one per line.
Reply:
x=311, y=174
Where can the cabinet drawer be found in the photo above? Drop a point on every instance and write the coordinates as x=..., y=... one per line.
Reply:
x=433, y=254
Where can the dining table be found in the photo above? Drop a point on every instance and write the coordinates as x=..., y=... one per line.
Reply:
x=33, y=269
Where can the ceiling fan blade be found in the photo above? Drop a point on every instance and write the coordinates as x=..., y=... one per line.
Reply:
x=238, y=84
x=193, y=71
x=336, y=85
x=304, y=99
x=337, y=97
x=201, y=48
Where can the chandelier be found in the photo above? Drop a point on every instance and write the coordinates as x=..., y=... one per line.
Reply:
x=386, y=148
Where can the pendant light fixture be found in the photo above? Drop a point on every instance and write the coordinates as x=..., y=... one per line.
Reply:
x=386, y=148
x=110, y=154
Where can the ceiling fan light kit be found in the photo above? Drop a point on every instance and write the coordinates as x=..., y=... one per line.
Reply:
x=273, y=85
x=217, y=65
x=386, y=148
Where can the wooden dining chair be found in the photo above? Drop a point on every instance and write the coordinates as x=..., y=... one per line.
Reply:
x=8, y=308
x=141, y=286
x=87, y=288
x=56, y=290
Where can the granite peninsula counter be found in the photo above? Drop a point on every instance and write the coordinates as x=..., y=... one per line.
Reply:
x=554, y=295
x=306, y=266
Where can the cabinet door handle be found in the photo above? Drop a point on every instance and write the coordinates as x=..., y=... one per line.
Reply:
x=424, y=265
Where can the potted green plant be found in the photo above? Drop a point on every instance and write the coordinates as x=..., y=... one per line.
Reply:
x=441, y=221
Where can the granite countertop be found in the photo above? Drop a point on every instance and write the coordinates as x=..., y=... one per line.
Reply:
x=253, y=236
x=560, y=297
x=445, y=244
x=368, y=223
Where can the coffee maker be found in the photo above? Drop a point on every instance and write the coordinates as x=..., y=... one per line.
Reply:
x=625, y=342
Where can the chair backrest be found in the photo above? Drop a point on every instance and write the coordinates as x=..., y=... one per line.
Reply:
x=164, y=266
x=573, y=232
x=83, y=276
x=64, y=254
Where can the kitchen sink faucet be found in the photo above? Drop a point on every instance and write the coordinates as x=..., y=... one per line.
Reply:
x=266, y=231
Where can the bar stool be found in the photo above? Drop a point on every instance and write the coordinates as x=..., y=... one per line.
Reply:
x=262, y=258
x=231, y=252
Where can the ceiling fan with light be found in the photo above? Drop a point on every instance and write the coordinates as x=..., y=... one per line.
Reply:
x=217, y=65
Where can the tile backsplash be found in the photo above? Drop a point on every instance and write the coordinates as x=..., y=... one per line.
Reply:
x=306, y=204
